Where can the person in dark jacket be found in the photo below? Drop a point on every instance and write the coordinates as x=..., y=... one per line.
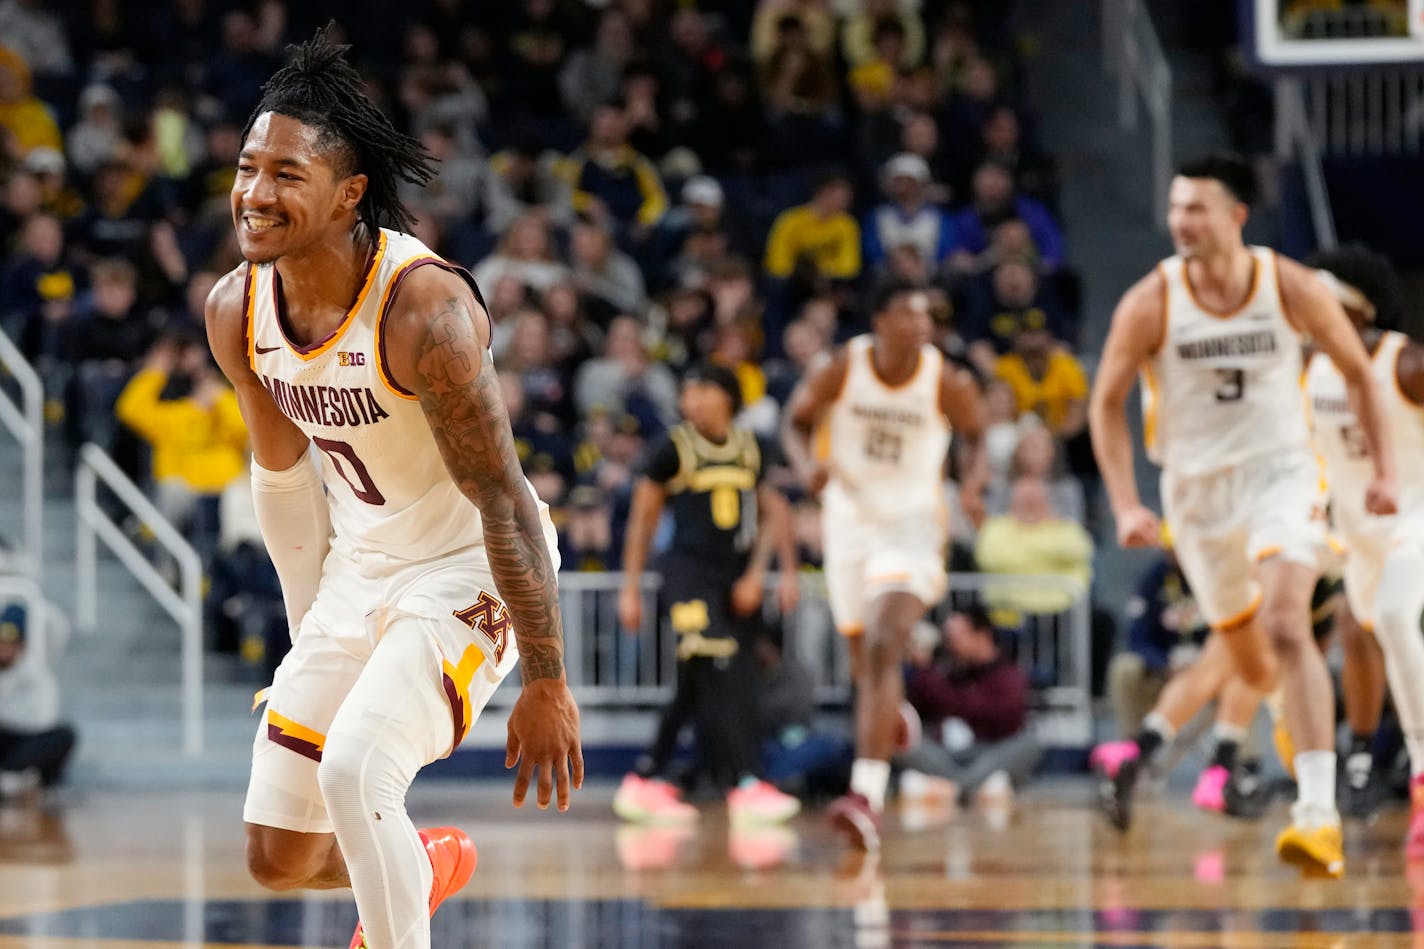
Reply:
x=973, y=704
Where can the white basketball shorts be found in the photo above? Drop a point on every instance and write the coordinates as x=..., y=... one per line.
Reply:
x=865, y=559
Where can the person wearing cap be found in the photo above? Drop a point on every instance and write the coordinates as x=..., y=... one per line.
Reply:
x=908, y=216
x=727, y=519
x=35, y=745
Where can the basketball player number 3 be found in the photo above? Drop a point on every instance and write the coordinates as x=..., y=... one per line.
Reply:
x=351, y=468
x=1233, y=385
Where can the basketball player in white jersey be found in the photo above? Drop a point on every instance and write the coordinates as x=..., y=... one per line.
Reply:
x=1384, y=556
x=416, y=564
x=883, y=409
x=1215, y=333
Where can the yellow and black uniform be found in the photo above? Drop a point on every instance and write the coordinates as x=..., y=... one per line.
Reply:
x=712, y=495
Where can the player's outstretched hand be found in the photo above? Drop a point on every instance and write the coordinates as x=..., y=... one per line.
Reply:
x=1382, y=496
x=544, y=736
x=1139, y=527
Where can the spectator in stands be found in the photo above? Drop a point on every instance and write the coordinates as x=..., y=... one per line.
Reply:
x=586, y=536
x=182, y=407
x=817, y=21
x=1048, y=380
x=37, y=292
x=531, y=359
x=1012, y=300
x=537, y=39
x=1036, y=455
x=919, y=135
x=731, y=138
x=648, y=132
x=1164, y=635
x=860, y=30
x=603, y=274
x=973, y=702
x=107, y=336
x=1003, y=144
x=96, y=137
x=35, y=745
x=29, y=122
x=992, y=201
x=625, y=380
x=688, y=67
x=820, y=236
x=454, y=193
x=804, y=344
x=593, y=74
x=521, y=179
x=117, y=220
x=1032, y=539
x=526, y=252
x=573, y=336
x=612, y=183
x=1004, y=423
x=798, y=85
x=908, y=216
x=236, y=71
x=36, y=35
x=796, y=756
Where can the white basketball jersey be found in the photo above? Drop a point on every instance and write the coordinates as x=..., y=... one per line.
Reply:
x=392, y=500
x=1341, y=441
x=1223, y=388
x=887, y=444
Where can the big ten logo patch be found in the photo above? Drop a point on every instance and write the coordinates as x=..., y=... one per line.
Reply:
x=488, y=615
x=351, y=359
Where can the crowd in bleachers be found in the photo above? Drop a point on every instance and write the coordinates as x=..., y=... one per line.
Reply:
x=636, y=184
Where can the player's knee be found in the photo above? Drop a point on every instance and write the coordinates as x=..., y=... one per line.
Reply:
x=1288, y=632
x=339, y=774
x=881, y=651
x=274, y=867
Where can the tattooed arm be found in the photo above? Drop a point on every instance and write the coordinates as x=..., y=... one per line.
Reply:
x=437, y=339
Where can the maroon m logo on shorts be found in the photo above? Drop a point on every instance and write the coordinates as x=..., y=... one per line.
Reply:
x=487, y=614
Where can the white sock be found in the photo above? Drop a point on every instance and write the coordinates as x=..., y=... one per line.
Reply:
x=1315, y=778
x=1157, y=722
x=869, y=776
x=1225, y=731
x=1399, y=603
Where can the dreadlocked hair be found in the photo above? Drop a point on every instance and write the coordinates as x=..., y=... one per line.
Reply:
x=1368, y=272
x=320, y=89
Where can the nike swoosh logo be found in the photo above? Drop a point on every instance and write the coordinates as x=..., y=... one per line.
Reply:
x=264, y=350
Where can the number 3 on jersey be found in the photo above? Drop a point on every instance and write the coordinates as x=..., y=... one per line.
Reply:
x=1233, y=385
x=351, y=468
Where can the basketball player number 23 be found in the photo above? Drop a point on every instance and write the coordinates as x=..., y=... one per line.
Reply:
x=351, y=468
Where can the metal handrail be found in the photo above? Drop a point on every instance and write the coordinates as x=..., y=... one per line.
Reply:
x=186, y=606
x=1295, y=137
x=26, y=423
x=1134, y=53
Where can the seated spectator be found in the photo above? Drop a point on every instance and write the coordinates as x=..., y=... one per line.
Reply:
x=180, y=404
x=521, y=179
x=919, y=135
x=797, y=757
x=593, y=74
x=1011, y=301
x=612, y=183
x=820, y=235
x=1032, y=539
x=98, y=134
x=699, y=232
x=817, y=20
x=731, y=138
x=1003, y=424
x=28, y=121
x=574, y=337
x=1164, y=635
x=526, y=253
x=624, y=380
x=1048, y=380
x=35, y=745
x=860, y=29
x=603, y=274
x=1004, y=144
x=454, y=193
x=972, y=702
x=804, y=344
x=993, y=200
x=1036, y=455
x=796, y=78
x=106, y=337
x=908, y=216
x=37, y=291
x=531, y=359
x=586, y=536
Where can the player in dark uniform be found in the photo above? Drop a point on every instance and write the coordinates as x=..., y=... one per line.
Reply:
x=726, y=523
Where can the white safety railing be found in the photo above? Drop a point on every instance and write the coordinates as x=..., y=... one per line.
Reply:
x=185, y=606
x=610, y=668
x=1296, y=139
x=25, y=422
x=1132, y=52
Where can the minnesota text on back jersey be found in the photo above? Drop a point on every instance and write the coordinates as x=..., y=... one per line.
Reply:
x=1224, y=387
x=1340, y=439
x=392, y=500
x=887, y=444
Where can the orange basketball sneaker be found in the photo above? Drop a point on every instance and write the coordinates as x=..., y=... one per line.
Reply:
x=452, y=856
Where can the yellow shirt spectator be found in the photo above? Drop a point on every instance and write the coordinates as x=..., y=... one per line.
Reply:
x=822, y=231
x=1033, y=539
x=196, y=441
x=1056, y=392
x=28, y=120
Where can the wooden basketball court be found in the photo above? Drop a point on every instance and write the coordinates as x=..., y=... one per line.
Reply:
x=109, y=870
